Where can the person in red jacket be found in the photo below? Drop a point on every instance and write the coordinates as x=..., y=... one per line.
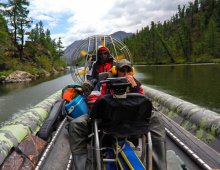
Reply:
x=103, y=64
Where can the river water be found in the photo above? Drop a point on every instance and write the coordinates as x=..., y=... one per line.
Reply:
x=198, y=84
x=17, y=97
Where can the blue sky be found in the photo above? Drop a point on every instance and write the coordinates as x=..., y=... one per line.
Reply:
x=77, y=19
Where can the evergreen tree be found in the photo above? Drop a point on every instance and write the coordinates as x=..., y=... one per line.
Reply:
x=17, y=15
x=213, y=39
x=192, y=34
x=60, y=47
x=5, y=42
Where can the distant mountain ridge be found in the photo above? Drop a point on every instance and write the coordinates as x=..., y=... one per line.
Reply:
x=121, y=35
x=69, y=50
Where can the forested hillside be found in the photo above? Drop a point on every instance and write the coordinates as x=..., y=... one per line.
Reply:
x=192, y=35
x=21, y=48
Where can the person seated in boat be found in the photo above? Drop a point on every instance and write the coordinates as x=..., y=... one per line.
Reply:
x=123, y=68
x=103, y=64
x=79, y=128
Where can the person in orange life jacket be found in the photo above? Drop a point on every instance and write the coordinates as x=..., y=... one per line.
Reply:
x=103, y=64
x=79, y=128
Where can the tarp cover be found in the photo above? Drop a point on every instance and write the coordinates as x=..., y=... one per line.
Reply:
x=26, y=155
x=123, y=116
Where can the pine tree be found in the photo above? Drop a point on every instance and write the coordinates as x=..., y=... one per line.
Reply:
x=5, y=42
x=213, y=40
x=17, y=15
x=60, y=47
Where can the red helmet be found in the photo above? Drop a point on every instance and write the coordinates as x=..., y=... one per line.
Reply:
x=103, y=49
x=103, y=55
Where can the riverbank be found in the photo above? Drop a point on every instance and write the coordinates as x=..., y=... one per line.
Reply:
x=18, y=76
x=183, y=64
x=217, y=61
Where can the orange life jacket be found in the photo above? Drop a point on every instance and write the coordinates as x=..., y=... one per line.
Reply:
x=70, y=92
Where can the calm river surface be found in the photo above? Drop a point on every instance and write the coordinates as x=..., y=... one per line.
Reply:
x=198, y=84
x=15, y=98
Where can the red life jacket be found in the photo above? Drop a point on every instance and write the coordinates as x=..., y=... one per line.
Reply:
x=103, y=67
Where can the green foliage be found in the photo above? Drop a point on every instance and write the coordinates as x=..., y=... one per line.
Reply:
x=12, y=63
x=44, y=63
x=202, y=59
x=191, y=35
x=5, y=73
x=215, y=60
x=30, y=68
x=5, y=40
x=59, y=63
x=39, y=53
x=16, y=14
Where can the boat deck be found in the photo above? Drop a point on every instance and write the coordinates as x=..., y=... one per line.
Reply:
x=59, y=155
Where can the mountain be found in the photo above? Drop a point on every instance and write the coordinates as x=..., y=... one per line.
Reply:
x=121, y=35
x=69, y=50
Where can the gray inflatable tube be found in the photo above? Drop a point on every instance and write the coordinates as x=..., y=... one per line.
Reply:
x=14, y=131
x=201, y=122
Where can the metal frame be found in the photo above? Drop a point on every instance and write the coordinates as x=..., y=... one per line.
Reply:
x=90, y=46
x=145, y=157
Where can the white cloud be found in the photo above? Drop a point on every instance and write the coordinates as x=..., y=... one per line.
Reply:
x=76, y=19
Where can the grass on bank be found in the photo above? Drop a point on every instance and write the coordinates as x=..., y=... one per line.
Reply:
x=39, y=67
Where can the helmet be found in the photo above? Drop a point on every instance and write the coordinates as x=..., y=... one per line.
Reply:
x=102, y=48
x=103, y=55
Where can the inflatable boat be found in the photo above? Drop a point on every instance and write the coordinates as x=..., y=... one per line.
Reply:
x=39, y=138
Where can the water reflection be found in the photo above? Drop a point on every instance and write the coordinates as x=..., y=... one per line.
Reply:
x=199, y=84
x=21, y=96
x=8, y=87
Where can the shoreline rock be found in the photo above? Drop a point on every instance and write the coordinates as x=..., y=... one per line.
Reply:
x=19, y=76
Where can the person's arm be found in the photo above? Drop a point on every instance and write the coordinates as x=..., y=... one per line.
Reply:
x=136, y=86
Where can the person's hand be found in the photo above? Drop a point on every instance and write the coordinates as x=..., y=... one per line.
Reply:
x=131, y=80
